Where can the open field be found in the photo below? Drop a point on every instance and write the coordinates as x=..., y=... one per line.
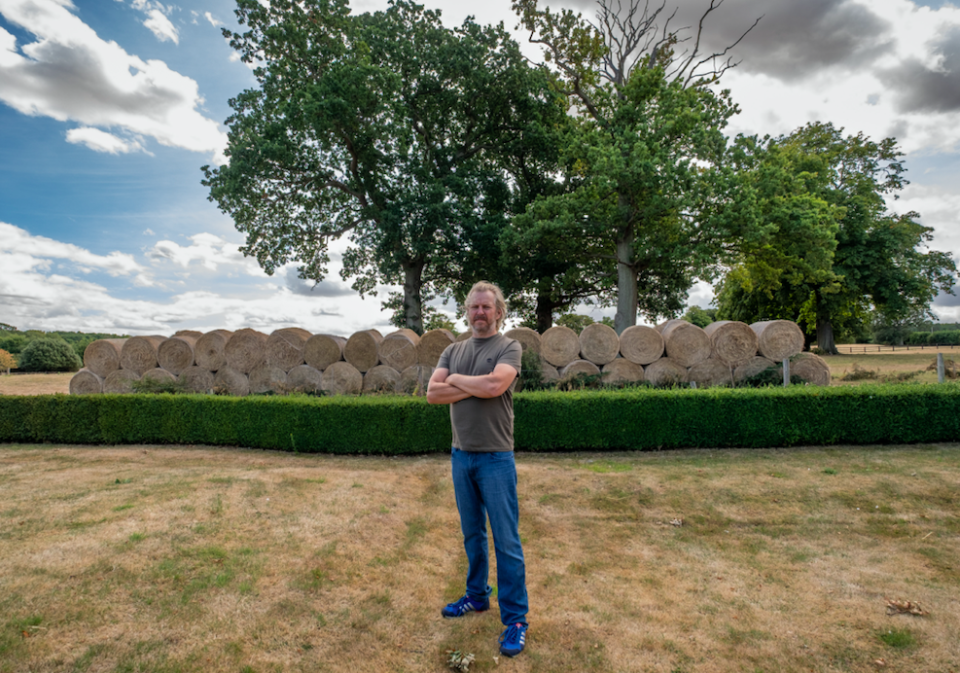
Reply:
x=35, y=384
x=198, y=559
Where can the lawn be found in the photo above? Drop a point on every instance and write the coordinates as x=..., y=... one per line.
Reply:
x=154, y=558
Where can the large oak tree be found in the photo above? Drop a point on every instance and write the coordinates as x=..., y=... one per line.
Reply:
x=383, y=127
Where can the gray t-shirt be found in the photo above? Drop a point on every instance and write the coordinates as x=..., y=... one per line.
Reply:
x=482, y=424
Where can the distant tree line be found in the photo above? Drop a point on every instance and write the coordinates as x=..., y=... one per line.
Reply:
x=38, y=351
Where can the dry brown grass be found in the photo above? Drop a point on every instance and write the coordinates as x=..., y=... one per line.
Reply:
x=35, y=384
x=197, y=559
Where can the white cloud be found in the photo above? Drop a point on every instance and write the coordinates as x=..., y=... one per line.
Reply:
x=161, y=27
x=44, y=285
x=101, y=141
x=70, y=73
x=208, y=250
x=21, y=245
x=213, y=21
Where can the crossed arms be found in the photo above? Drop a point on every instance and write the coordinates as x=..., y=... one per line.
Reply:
x=447, y=388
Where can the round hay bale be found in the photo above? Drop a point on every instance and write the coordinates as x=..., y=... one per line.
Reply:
x=665, y=372
x=197, y=379
x=641, y=344
x=103, y=356
x=188, y=332
x=734, y=343
x=246, y=350
x=85, y=382
x=208, y=351
x=399, y=349
x=139, y=354
x=560, y=346
x=684, y=343
x=778, y=339
x=231, y=382
x=304, y=379
x=711, y=372
x=268, y=378
x=414, y=380
x=665, y=323
x=284, y=348
x=579, y=367
x=463, y=336
x=752, y=367
x=549, y=372
x=622, y=370
x=322, y=350
x=599, y=343
x=529, y=338
x=432, y=344
x=363, y=350
x=381, y=379
x=811, y=368
x=342, y=378
x=176, y=353
x=120, y=381
x=158, y=375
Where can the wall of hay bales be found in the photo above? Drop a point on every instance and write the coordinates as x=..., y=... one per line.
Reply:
x=291, y=359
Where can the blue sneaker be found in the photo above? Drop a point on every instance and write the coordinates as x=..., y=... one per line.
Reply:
x=465, y=605
x=513, y=639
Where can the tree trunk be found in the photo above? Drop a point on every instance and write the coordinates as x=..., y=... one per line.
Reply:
x=627, y=297
x=412, y=285
x=825, y=336
x=545, y=308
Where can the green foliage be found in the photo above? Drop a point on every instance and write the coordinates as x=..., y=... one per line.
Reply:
x=154, y=386
x=13, y=342
x=701, y=317
x=575, y=321
x=649, y=202
x=634, y=419
x=384, y=127
x=942, y=338
x=832, y=254
x=49, y=355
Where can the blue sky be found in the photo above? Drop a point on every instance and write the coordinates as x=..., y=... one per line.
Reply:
x=108, y=108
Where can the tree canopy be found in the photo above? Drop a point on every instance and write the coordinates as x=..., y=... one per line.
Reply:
x=650, y=203
x=836, y=251
x=382, y=127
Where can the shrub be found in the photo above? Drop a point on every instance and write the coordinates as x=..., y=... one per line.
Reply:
x=49, y=355
x=7, y=361
x=637, y=419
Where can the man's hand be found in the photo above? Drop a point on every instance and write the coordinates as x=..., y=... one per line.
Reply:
x=447, y=388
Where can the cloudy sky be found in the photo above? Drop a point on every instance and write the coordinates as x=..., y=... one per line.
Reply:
x=108, y=108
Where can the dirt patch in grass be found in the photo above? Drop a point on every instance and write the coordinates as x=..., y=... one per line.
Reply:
x=197, y=559
x=34, y=384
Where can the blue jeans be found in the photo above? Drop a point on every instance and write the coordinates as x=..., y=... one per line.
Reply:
x=486, y=485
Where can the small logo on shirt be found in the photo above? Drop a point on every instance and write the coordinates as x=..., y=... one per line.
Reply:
x=489, y=360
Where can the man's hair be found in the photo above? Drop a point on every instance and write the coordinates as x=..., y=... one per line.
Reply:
x=501, y=303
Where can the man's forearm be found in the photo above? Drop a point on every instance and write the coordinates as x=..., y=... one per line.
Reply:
x=445, y=393
x=474, y=386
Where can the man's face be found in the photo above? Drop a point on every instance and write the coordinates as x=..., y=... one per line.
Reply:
x=482, y=313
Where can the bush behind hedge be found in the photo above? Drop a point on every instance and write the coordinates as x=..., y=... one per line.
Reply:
x=635, y=419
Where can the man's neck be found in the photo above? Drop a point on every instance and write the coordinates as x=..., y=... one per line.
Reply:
x=478, y=335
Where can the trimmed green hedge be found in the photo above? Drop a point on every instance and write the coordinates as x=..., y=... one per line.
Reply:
x=545, y=421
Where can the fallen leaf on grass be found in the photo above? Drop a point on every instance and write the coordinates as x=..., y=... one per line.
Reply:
x=899, y=607
x=459, y=661
x=676, y=522
x=879, y=663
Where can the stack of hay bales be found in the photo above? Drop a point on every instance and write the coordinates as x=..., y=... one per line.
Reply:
x=292, y=359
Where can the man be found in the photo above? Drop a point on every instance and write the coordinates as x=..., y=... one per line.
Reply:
x=475, y=377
